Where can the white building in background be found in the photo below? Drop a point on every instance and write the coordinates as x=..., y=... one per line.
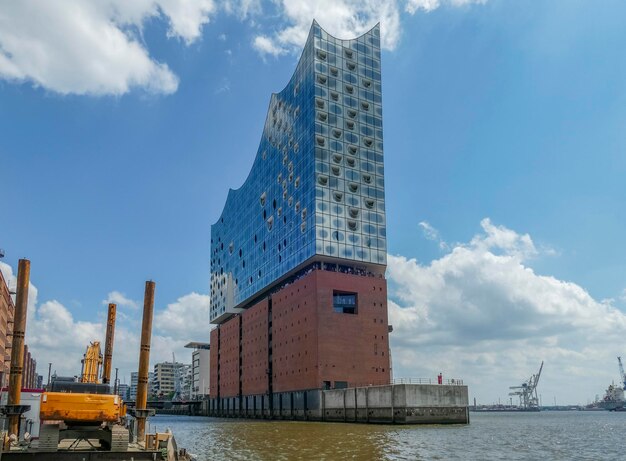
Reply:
x=200, y=372
x=133, y=385
x=123, y=390
x=165, y=376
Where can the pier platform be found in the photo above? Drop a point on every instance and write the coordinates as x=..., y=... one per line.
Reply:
x=388, y=404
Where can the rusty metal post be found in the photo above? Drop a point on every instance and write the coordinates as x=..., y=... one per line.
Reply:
x=17, y=345
x=108, y=344
x=144, y=360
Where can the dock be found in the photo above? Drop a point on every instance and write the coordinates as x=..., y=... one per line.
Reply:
x=388, y=404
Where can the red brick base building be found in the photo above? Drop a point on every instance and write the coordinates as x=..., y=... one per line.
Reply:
x=326, y=329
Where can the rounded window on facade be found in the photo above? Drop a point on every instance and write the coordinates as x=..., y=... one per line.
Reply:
x=338, y=236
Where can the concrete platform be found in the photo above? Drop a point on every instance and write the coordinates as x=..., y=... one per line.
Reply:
x=389, y=404
x=82, y=452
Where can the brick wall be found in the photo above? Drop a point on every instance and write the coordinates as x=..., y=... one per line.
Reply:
x=213, y=363
x=294, y=336
x=255, y=349
x=229, y=358
x=312, y=345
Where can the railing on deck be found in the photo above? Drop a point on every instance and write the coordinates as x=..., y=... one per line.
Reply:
x=434, y=381
x=449, y=382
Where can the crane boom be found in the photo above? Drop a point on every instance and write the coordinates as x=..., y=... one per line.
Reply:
x=92, y=361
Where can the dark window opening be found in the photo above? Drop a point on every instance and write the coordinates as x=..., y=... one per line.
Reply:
x=345, y=303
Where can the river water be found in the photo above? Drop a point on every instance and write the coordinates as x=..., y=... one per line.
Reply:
x=548, y=435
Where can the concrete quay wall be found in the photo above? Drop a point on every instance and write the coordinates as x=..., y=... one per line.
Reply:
x=392, y=404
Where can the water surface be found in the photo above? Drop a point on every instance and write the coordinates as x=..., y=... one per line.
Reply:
x=574, y=435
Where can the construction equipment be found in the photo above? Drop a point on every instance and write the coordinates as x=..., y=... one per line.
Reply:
x=621, y=372
x=85, y=410
x=92, y=361
x=527, y=392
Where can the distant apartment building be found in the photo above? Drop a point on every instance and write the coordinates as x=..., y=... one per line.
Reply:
x=166, y=374
x=6, y=329
x=200, y=369
x=132, y=392
x=123, y=391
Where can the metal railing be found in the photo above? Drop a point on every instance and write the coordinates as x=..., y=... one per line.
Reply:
x=433, y=381
x=449, y=382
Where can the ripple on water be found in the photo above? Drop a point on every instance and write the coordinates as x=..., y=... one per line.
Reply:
x=490, y=436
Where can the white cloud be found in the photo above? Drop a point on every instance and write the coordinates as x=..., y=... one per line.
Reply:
x=91, y=47
x=482, y=314
x=187, y=318
x=341, y=18
x=265, y=45
x=242, y=8
x=412, y=6
x=433, y=234
x=121, y=300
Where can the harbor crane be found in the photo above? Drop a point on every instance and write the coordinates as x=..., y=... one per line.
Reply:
x=621, y=372
x=527, y=392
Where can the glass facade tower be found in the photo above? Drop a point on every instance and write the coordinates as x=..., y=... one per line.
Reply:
x=316, y=188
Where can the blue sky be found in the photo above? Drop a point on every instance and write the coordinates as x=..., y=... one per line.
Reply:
x=503, y=125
